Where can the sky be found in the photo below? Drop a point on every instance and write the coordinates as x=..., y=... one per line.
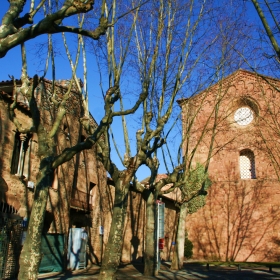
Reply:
x=11, y=65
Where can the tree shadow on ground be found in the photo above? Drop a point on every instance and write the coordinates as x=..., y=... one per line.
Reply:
x=190, y=271
x=232, y=272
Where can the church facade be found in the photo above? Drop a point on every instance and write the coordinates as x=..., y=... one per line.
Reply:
x=233, y=129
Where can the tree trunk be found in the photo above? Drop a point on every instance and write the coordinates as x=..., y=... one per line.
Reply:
x=149, y=253
x=178, y=256
x=113, y=250
x=31, y=255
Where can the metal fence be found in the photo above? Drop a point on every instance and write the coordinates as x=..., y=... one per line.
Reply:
x=11, y=227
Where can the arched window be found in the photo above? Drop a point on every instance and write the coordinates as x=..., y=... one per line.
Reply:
x=247, y=164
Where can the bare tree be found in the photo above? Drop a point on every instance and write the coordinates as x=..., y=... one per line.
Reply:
x=199, y=133
x=164, y=46
x=268, y=12
x=167, y=46
x=31, y=252
x=16, y=29
x=165, y=49
x=193, y=181
x=14, y=34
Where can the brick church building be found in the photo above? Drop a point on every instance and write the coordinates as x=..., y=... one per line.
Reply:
x=233, y=127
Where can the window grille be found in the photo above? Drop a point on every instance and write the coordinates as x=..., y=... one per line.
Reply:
x=247, y=165
x=243, y=116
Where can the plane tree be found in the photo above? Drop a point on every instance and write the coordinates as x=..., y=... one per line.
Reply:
x=163, y=47
x=176, y=78
x=182, y=49
x=170, y=44
x=16, y=30
x=167, y=44
x=193, y=180
x=268, y=12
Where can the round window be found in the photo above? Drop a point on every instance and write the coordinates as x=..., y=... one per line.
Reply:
x=243, y=116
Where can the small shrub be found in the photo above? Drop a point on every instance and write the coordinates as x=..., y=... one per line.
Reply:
x=188, y=248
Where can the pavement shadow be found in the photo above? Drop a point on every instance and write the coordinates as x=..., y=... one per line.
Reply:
x=191, y=271
x=200, y=271
x=75, y=274
x=139, y=266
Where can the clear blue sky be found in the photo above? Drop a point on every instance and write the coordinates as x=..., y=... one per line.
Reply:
x=11, y=65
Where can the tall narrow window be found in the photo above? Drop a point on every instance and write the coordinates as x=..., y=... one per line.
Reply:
x=16, y=152
x=247, y=164
x=92, y=194
x=19, y=153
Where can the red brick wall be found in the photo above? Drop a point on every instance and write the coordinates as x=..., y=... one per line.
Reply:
x=78, y=173
x=240, y=219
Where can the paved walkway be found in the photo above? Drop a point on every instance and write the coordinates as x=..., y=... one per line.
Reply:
x=190, y=271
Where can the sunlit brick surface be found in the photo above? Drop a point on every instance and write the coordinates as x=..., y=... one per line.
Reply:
x=247, y=165
x=240, y=221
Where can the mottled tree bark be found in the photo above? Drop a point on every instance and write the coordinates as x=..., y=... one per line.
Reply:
x=31, y=256
x=178, y=256
x=113, y=250
x=150, y=244
x=14, y=31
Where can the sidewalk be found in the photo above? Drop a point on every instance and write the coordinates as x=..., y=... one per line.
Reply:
x=190, y=271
